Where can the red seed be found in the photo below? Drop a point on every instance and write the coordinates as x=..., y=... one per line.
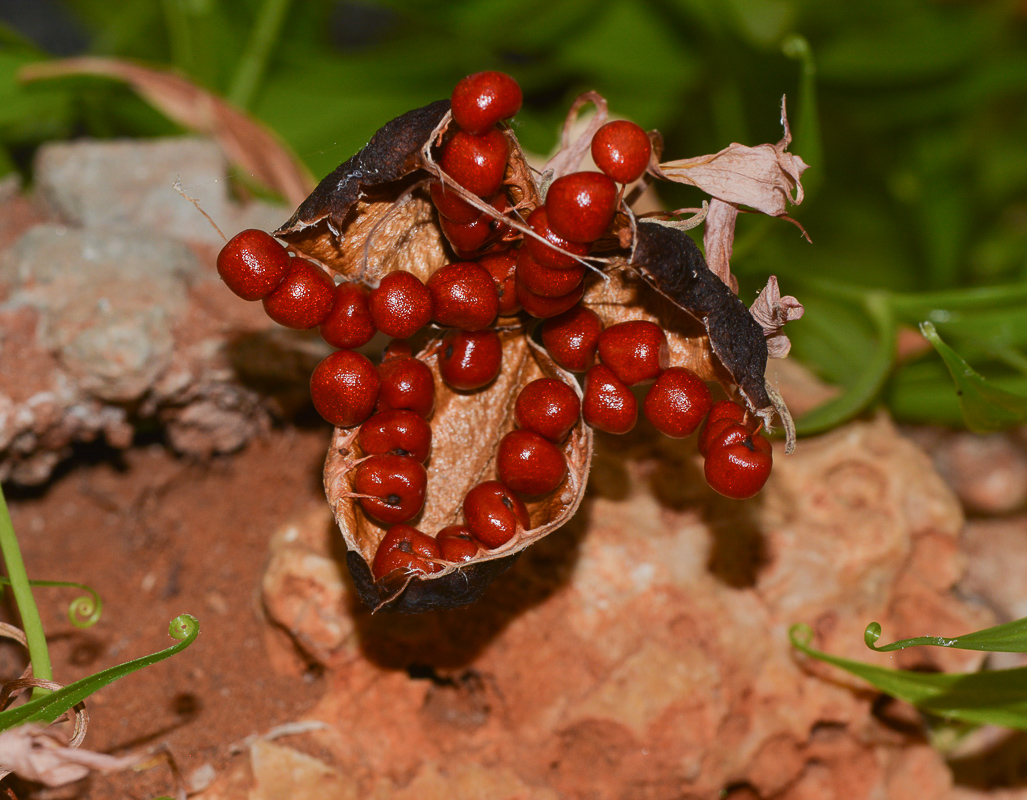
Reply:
x=399, y=431
x=478, y=163
x=406, y=383
x=545, y=281
x=344, y=388
x=470, y=236
x=252, y=264
x=303, y=299
x=738, y=462
x=392, y=487
x=621, y=149
x=469, y=360
x=677, y=403
x=572, y=338
x=493, y=513
x=401, y=305
x=502, y=267
x=721, y=414
x=452, y=206
x=463, y=296
x=457, y=544
x=348, y=324
x=549, y=407
x=403, y=550
x=636, y=351
x=481, y=100
x=608, y=404
x=530, y=464
x=550, y=256
x=544, y=307
x=580, y=206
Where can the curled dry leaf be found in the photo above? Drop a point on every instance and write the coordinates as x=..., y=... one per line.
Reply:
x=373, y=215
x=44, y=755
x=772, y=311
x=245, y=141
x=719, y=238
x=467, y=427
x=766, y=177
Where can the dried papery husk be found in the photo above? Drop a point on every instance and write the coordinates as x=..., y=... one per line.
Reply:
x=466, y=429
x=391, y=228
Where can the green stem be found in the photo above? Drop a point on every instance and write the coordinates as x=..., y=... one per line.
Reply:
x=30, y=621
x=254, y=60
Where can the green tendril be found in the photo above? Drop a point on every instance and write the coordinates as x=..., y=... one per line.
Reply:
x=83, y=612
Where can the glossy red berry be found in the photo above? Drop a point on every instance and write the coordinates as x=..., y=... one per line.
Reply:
x=677, y=403
x=463, y=296
x=493, y=513
x=390, y=488
x=481, y=100
x=344, y=388
x=469, y=360
x=304, y=297
x=544, y=307
x=401, y=305
x=457, y=544
x=478, y=163
x=399, y=432
x=468, y=237
x=549, y=407
x=452, y=206
x=406, y=383
x=721, y=414
x=348, y=324
x=529, y=463
x=252, y=264
x=738, y=462
x=572, y=338
x=621, y=149
x=636, y=351
x=548, y=253
x=502, y=267
x=405, y=550
x=608, y=404
x=546, y=281
x=580, y=206
x=397, y=348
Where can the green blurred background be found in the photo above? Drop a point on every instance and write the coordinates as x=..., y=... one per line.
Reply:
x=911, y=113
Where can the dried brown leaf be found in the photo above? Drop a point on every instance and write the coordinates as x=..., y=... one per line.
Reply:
x=246, y=142
x=466, y=429
x=766, y=177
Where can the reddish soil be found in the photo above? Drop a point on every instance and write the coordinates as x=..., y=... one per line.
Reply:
x=158, y=536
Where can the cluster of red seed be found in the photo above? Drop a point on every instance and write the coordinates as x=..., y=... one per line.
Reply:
x=499, y=273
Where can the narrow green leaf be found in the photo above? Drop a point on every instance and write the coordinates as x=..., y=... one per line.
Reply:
x=1009, y=637
x=867, y=385
x=49, y=707
x=996, y=698
x=986, y=407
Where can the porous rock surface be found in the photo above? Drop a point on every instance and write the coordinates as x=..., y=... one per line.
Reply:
x=112, y=316
x=642, y=651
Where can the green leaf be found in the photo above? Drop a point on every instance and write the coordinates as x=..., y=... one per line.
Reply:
x=48, y=708
x=986, y=407
x=1009, y=637
x=866, y=381
x=996, y=698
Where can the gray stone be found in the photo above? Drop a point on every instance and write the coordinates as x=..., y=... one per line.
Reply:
x=103, y=184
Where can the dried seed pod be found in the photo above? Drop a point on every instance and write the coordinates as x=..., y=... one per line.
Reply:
x=459, y=461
